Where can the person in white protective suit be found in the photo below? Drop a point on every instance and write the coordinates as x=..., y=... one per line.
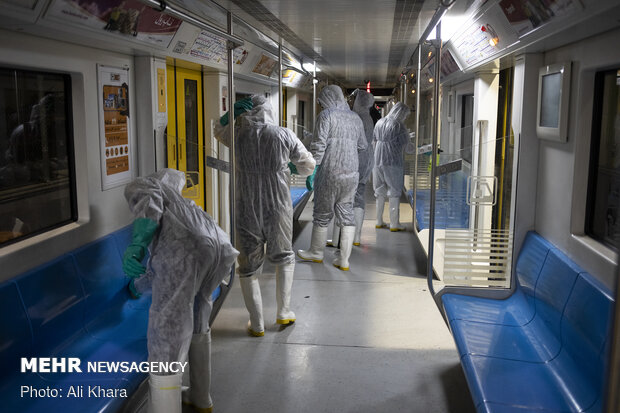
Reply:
x=190, y=256
x=263, y=207
x=337, y=138
x=391, y=138
x=362, y=104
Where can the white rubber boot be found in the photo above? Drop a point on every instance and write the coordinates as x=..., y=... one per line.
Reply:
x=380, y=205
x=317, y=244
x=254, y=303
x=284, y=282
x=335, y=237
x=394, y=215
x=346, y=244
x=165, y=393
x=358, y=215
x=197, y=395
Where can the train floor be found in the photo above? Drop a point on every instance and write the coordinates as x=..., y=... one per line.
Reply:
x=367, y=340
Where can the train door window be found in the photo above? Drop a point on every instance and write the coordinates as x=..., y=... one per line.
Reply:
x=301, y=119
x=603, y=212
x=467, y=120
x=191, y=131
x=185, y=137
x=37, y=177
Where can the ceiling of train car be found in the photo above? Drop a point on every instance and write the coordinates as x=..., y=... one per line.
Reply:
x=353, y=40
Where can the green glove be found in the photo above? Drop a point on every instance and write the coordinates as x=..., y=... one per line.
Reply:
x=143, y=232
x=293, y=168
x=132, y=290
x=310, y=179
x=241, y=106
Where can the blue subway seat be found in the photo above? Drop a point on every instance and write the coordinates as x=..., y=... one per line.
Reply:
x=297, y=194
x=544, y=347
x=74, y=306
x=451, y=209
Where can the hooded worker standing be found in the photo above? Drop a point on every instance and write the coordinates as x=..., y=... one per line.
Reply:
x=337, y=138
x=263, y=207
x=388, y=177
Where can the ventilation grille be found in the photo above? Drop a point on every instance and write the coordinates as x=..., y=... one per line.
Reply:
x=405, y=17
x=263, y=15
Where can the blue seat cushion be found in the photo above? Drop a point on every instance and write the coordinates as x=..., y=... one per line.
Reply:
x=532, y=342
x=554, y=386
x=297, y=194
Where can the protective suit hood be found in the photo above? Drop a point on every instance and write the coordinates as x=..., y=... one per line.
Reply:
x=399, y=112
x=331, y=97
x=363, y=101
x=262, y=112
x=171, y=177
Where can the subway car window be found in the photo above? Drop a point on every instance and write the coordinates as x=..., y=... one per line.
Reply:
x=36, y=148
x=603, y=221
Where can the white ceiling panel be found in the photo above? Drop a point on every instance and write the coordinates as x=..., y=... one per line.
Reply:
x=354, y=40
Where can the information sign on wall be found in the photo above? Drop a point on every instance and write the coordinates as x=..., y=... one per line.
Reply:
x=114, y=126
x=212, y=48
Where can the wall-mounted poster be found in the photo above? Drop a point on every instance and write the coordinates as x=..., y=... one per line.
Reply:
x=265, y=66
x=128, y=17
x=114, y=126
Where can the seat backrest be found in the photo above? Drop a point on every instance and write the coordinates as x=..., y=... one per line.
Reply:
x=530, y=262
x=15, y=333
x=54, y=301
x=555, y=283
x=122, y=238
x=100, y=268
x=586, y=326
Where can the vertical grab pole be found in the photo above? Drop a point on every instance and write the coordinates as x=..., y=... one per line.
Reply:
x=417, y=129
x=314, y=82
x=281, y=123
x=431, y=232
x=231, y=124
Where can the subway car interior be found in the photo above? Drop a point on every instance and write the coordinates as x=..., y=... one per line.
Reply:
x=497, y=293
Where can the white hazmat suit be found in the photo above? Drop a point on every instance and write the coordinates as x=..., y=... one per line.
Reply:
x=337, y=138
x=391, y=138
x=263, y=208
x=190, y=256
x=363, y=102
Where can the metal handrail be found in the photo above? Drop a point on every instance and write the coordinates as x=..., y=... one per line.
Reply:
x=435, y=133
